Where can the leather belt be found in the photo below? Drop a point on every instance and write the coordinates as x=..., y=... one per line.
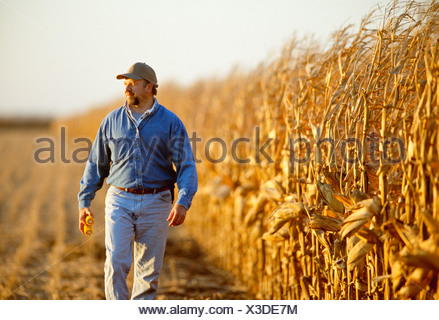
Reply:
x=144, y=191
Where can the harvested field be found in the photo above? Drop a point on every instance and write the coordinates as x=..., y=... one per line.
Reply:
x=44, y=256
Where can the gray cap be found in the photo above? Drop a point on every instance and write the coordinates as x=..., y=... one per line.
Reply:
x=138, y=71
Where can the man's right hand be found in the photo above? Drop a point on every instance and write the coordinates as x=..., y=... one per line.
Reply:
x=83, y=213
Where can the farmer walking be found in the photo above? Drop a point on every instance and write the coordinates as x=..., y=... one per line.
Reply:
x=142, y=149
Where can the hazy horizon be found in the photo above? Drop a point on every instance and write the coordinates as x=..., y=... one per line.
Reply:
x=60, y=58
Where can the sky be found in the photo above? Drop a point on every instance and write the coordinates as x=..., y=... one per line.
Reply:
x=61, y=57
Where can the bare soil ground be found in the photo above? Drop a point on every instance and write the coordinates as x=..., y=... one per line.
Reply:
x=44, y=256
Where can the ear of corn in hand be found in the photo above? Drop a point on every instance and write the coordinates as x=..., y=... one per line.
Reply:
x=89, y=220
x=88, y=229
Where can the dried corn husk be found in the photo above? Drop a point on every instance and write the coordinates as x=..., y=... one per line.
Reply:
x=362, y=213
x=317, y=221
x=358, y=196
x=347, y=201
x=273, y=190
x=357, y=253
x=284, y=213
x=327, y=193
x=331, y=179
x=329, y=213
x=368, y=235
x=281, y=235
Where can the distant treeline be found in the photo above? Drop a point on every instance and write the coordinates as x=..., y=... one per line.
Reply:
x=24, y=123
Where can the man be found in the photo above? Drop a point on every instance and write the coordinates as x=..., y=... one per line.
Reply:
x=136, y=149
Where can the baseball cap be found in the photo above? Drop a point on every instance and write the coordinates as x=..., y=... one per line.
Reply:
x=138, y=71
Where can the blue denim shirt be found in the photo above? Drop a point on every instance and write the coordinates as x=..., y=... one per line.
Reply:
x=142, y=156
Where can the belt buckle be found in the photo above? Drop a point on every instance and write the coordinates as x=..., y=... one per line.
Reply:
x=155, y=190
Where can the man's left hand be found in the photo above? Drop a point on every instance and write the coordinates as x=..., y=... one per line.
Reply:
x=177, y=215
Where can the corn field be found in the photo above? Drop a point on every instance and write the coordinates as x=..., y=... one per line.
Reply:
x=346, y=205
x=332, y=191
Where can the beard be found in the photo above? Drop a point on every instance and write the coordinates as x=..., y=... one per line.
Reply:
x=133, y=100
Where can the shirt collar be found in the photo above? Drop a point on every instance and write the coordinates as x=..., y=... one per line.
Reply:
x=146, y=113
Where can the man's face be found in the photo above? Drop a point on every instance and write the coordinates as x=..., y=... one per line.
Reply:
x=136, y=90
